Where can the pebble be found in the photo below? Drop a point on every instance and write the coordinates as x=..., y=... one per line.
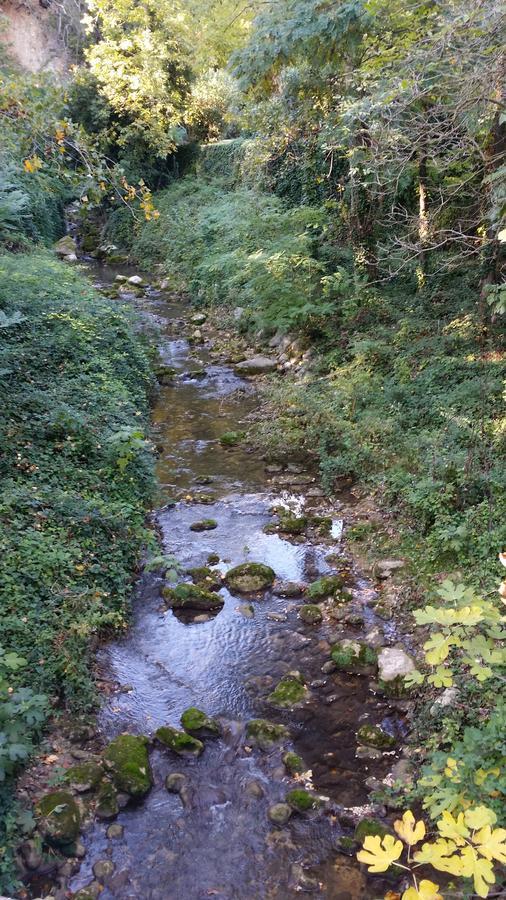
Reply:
x=115, y=831
x=318, y=683
x=103, y=869
x=276, y=617
x=279, y=813
x=329, y=667
x=175, y=782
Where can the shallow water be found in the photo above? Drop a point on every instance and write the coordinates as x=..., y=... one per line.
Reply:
x=221, y=842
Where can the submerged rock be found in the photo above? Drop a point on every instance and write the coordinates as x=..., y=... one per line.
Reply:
x=325, y=587
x=375, y=736
x=115, y=831
x=290, y=692
x=311, y=614
x=248, y=578
x=59, y=818
x=265, y=734
x=127, y=760
x=257, y=365
x=179, y=741
x=199, y=724
x=353, y=656
x=279, y=813
x=103, y=869
x=190, y=596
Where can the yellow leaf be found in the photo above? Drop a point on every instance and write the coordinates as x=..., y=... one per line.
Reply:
x=379, y=853
x=439, y=855
x=479, y=817
x=453, y=829
x=408, y=830
x=426, y=890
x=491, y=844
x=481, y=870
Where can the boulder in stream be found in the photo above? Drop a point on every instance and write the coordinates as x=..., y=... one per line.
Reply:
x=303, y=801
x=393, y=666
x=311, y=614
x=290, y=692
x=265, y=734
x=59, y=818
x=127, y=760
x=179, y=741
x=199, y=724
x=376, y=736
x=354, y=656
x=293, y=763
x=85, y=776
x=325, y=587
x=248, y=578
x=190, y=596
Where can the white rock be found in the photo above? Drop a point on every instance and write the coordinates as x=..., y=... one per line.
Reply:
x=447, y=698
x=257, y=365
x=394, y=662
x=135, y=279
x=385, y=568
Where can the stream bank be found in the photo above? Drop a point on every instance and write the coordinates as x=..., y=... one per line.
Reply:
x=228, y=832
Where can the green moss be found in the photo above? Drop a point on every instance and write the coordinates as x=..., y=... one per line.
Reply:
x=265, y=734
x=204, y=525
x=107, y=806
x=322, y=524
x=302, y=801
x=327, y=586
x=213, y=559
x=231, y=438
x=354, y=656
x=190, y=596
x=179, y=741
x=311, y=614
x=204, y=577
x=199, y=724
x=368, y=827
x=294, y=763
x=289, y=692
x=127, y=760
x=249, y=578
x=290, y=524
x=86, y=775
x=375, y=736
x=58, y=818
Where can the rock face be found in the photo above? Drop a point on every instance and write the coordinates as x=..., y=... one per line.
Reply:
x=59, y=818
x=354, y=656
x=249, y=578
x=257, y=365
x=199, y=724
x=290, y=692
x=179, y=741
x=265, y=734
x=126, y=758
x=190, y=596
x=66, y=248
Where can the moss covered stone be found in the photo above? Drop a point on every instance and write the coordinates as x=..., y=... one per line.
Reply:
x=191, y=596
x=327, y=586
x=199, y=724
x=179, y=741
x=107, y=806
x=354, y=656
x=86, y=776
x=126, y=758
x=291, y=524
x=249, y=578
x=58, y=817
x=311, y=614
x=265, y=734
x=375, y=736
x=279, y=813
x=231, y=438
x=368, y=827
x=290, y=692
x=322, y=524
x=204, y=577
x=204, y=525
x=293, y=763
x=302, y=801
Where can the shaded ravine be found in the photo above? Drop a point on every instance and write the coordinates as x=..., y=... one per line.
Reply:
x=220, y=841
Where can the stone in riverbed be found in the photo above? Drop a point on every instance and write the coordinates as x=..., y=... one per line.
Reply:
x=302, y=801
x=367, y=827
x=59, y=818
x=325, y=587
x=291, y=524
x=287, y=589
x=290, y=692
x=85, y=776
x=232, y=438
x=375, y=736
x=354, y=656
x=198, y=318
x=279, y=813
x=115, y=831
x=199, y=724
x=176, y=782
x=311, y=614
x=127, y=760
x=248, y=578
x=104, y=869
x=107, y=806
x=179, y=741
x=294, y=763
x=257, y=365
x=205, y=577
x=204, y=525
x=265, y=734
x=393, y=666
x=190, y=596
x=135, y=280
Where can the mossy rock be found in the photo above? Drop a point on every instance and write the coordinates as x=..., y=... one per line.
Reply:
x=354, y=656
x=199, y=724
x=164, y=374
x=290, y=692
x=292, y=524
x=179, y=741
x=107, y=806
x=293, y=763
x=396, y=688
x=232, y=438
x=325, y=587
x=190, y=596
x=204, y=577
x=368, y=827
x=375, y=736
x=127, y=760
x=322, y=525
x=265, y=734
x=213, y=559
x=249, y=578
x=311, y=614
x=302, y=801
x=204, y=525
x=59, y=818
x=86, y=776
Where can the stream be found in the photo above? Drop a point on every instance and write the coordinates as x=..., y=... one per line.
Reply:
x=217, y=840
